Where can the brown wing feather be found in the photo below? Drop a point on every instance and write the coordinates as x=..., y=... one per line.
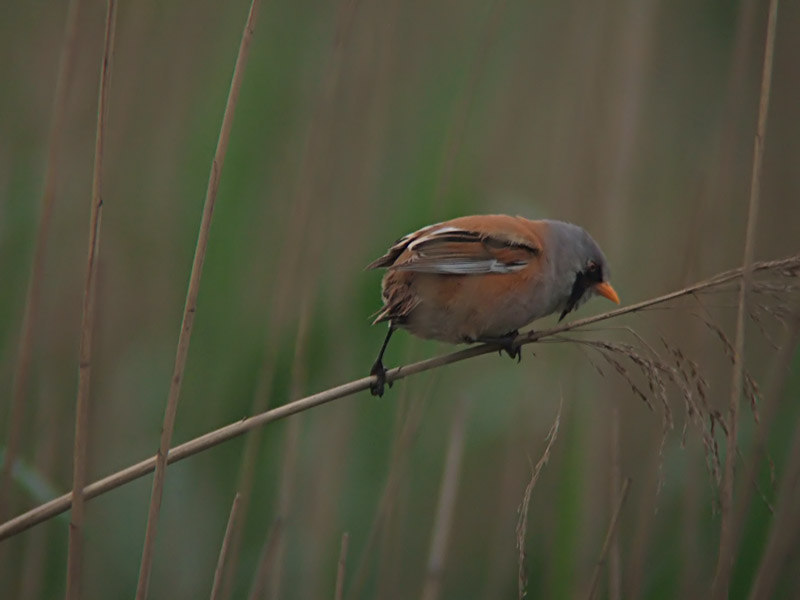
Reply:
x=465, y=252
x=399, y=298
x=468, y=245
x=398, y=248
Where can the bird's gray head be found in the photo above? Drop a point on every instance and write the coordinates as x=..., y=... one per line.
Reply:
x=581, y=267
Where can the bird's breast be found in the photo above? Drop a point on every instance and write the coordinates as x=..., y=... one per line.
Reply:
x=455, y=308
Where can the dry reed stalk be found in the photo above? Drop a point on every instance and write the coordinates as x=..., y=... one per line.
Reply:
x=645, y=520
x=522, y=521
x=612, y=528
x=389, y=574
x=293, y=250
x=340, y=567
x=49, y=419
x=787, y=267
x=785, y=528
x=725, y=557
x=335, y=434
x=772, y=396
x=615, y=480
x=80, y=452
x=190, y=307
x=684, y=375
x=269, y=553
x=690, y=546
x=223, y=551
x=30, y=316
x=401, y=443
x=461, y=115
x=735, y=101
x=633, y=55
x=247, y=472
x=446, y=504
x=628, y=65
x=392, y=515
x=286, y=485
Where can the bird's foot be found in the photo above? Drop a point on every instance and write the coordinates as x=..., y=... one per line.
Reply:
x=507, y=344
x=378, y=386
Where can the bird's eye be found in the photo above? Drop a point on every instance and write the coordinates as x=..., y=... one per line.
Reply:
x=593, y=271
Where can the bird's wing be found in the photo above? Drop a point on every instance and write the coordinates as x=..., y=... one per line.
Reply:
x=393, y=253
x=455, y=251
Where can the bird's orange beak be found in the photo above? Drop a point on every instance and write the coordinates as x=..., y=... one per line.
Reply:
x=606, y=291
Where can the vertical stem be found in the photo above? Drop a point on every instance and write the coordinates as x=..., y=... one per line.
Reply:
x=395, y=477
x=340, y=567
x=223, y=552
x=287, y=483
x=612, y=527
x=785, y=529
x=614, y=575
x=463, y=109
x=727, y=536
x=75, y=552
x=448, y=493
x=522, y=521
x=31, y=314
x=292, y=251
x=190, y=308
x=773, y=394
x=267, y=560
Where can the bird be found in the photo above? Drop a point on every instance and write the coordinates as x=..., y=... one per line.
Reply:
x=480, y=278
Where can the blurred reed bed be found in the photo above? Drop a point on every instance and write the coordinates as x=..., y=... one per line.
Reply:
x=357, y=123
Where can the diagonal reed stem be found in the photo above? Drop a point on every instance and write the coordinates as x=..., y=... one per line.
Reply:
x=209, y=440
x=190, y=307
x=79, y=461
x=223, y=552
x=612, y=528
x=727, y=536
x=522, y=520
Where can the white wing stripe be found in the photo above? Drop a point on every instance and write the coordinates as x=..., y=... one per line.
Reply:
x=465, y=267
x=423, y=236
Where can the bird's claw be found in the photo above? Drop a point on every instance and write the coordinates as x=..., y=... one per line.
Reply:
x=514, y=352
x=507, y=344
x=378, y=386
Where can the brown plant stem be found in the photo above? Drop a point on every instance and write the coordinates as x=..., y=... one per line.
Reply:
x=223, y=552
x=267, y=560
x=522, y=521
x=247, y=473
x=769, y=411
x=190, y=307
x=213, y=438
x=614, y=557
x=445, y=509
x=785, y=527
x=463, y=109
x=612, y=528
x=405, y=432
x=340, y=567
x=30, y=316
x=725, y=557
x=80, y=452
x=293, y=249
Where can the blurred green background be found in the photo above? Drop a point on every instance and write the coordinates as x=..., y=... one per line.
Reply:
x=359, y=122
